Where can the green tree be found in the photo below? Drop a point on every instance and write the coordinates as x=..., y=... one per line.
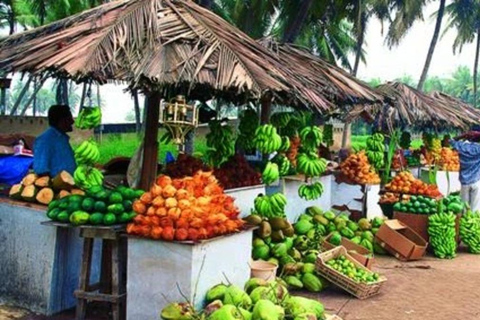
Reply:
x=464, y=16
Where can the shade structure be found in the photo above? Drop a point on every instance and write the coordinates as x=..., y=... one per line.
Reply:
x=458, y=106
x=335, y=83
x=160, y=45
x=408, y=107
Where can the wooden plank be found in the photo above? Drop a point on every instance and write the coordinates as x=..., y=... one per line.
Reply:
x=106, y=267
x=116, y=279
x=84, y=280
x=93, y=296
x=99, y=233
x=150, y=152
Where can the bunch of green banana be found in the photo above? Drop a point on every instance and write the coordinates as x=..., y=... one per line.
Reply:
x=285, y=144
x=270, y=173
x=376, y=150
x=87, y=153
x=311, y=137
x=221, y=143
x=89, y=118
x=86, y=177
x=267, y=140
x=328, y=135
x=441, y=229
x=405, y=140
x=470, y=231
x=310, y=191
x=270, y=206
x=280, y=119
x=310, y=164
x=249, y=121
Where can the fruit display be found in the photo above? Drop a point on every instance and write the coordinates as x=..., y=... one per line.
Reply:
x=220, y=143
x=310, y=164
x=184, y=166
x=405, y=140
x=413, y=161
x=192, y=208
x=270, y=206
x=346, y=267
x=249, y=121
x=98, y=206
x=441, y=230
x=454, y=204
x=311, y=137
x=328, y=135
x=271, y=173
x=417, y=204
x=237, y=173
x=357, y=169
x=376, y=151
x=267, y=140
x=405, y=182
x=310, y=191
x=389, y=198
x=449, y=160
x=470, y=231
x=399, y=161
x=281, y=120
x=283, y=164
x=436, y=149
x=87, y=153
x=89, y=118
x=44, y=190
x=258, y=300
x=86, y=176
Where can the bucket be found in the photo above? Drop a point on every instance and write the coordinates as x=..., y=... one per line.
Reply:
x=263, y=270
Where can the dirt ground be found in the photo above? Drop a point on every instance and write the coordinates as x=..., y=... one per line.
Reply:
x=430, y=289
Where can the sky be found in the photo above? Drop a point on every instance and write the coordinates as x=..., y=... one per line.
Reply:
x=387, y=64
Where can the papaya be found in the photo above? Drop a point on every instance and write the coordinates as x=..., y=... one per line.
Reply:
x=367, y=244
x=79, y=217
x=329, y=215
x=302, y=227
x=347, y=233
x=352, y=226
x=335, y=238
x=308, y=268
x=293, y=282
x=311, y=282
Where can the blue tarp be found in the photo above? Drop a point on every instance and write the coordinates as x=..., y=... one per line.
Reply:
x=14, y=168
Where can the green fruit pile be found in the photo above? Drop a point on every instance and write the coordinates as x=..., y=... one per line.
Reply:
x=270, y=206
x=249, y=121
x=413, y=161
x=282, y=162
x=87, y=153
x=454, y=204
x=376, y=150
x=441, y=229
x=267, y=140
x=86, y=177
x=271, y=173
x=470, y=231
x=98, y=207
x=258, y=300
x=417, y=204
x=349, y=269
x=220, y=143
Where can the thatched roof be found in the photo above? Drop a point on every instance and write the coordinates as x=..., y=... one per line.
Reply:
x=458, y=105
x=167, y=44
x=409, y=107
x=335, y=83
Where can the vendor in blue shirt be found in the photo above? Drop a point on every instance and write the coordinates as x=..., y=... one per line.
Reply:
x=469, y=152
x=52, y=151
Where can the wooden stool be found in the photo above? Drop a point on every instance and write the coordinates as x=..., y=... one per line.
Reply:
x=112, y=285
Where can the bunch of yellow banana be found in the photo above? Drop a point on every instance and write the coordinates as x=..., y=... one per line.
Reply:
x=267, y=140
x=310, y=164
x=89, y=118
x=310, y=191
x=86, y=177
x=87, y=153
x=311, y=137
x=270, y=206
x=270, y=173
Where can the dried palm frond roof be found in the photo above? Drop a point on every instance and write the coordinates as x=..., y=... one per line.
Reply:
x=409, y=107
x=161, y=44
x=335, y=83
x=458, y=105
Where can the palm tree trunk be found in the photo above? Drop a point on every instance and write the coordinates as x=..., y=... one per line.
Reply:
x=475, y=69
x=21, y=96
x=35, y=84
x=136, y=105
x=82, y=98
x=360, y=40
x=293, y=30
x=37, y=88
x=433, y=43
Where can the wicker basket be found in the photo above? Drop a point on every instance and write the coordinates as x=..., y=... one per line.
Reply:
x=358, y=289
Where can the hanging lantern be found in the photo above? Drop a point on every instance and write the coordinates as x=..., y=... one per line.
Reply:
x=179, y=118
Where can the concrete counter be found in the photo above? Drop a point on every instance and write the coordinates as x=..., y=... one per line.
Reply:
x=39, y=265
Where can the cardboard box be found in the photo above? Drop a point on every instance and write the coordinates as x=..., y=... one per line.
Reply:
x=401, y=241
x=358, y=252
x=419, y=223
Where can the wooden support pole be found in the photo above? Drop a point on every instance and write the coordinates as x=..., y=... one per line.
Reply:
x=150, y=151
x=266, y=107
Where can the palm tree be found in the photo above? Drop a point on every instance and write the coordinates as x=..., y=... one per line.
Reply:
x=465, y=18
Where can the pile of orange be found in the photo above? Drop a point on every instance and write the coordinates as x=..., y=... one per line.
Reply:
x=405, y=182
x=357, y=169
x=389, y=198
x=192, y=208
x=449, y=160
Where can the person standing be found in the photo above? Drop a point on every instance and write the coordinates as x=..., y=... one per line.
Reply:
x=52, y=152
x=468, y=150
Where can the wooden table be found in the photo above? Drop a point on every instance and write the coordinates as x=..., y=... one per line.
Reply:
x=112, y=285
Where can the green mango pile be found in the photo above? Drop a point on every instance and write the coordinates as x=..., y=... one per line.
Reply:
x=259, y=300
x=349, y=269
x=470, y=231
x=417, y=204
